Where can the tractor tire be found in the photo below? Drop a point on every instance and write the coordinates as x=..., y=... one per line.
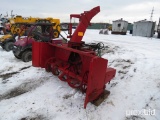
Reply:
x=158, y=35
x=55, y=33
x=8, y=46
x=2, y=47
x=27, y=56
x=18, y=57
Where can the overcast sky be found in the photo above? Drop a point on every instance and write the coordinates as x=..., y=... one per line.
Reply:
x=131, y=11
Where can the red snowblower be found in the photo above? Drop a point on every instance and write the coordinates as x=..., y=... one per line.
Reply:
x=76, y=62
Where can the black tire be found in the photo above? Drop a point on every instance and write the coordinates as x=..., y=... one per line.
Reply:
x=158, y=35
x=18, y=57
x=8, y=46
x=27, y=56
x=2, y=47
x=55, y=33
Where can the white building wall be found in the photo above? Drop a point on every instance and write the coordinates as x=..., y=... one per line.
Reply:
x=119, y=26
x=143, y=28
x=158, y=27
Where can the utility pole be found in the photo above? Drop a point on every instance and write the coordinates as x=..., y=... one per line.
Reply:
x=0, y=16
x=11, y=13
x=151, y=14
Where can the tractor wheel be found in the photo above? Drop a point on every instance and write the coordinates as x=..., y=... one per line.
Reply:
x=158, y=35
x=2, y=47
x=18, y=57
x=27, y=56
x=8, y=46
x=56, y=34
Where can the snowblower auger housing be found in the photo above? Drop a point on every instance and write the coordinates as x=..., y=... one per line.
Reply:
x=73, y=62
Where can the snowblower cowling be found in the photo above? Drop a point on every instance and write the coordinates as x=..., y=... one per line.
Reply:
x=75, y=63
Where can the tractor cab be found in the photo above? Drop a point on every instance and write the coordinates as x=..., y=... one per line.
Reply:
x=43, y=32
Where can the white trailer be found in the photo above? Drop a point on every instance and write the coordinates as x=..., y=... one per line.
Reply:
x=158, y=29
x=144, y=28
x=119, y=27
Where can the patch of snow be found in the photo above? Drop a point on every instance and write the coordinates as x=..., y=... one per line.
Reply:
x=27, y=92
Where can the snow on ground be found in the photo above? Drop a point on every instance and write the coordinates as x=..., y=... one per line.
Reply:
x=29, y=93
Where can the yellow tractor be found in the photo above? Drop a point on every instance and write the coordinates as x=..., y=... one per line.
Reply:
x=110, y=27
x=22, y=19
x=17, y=24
